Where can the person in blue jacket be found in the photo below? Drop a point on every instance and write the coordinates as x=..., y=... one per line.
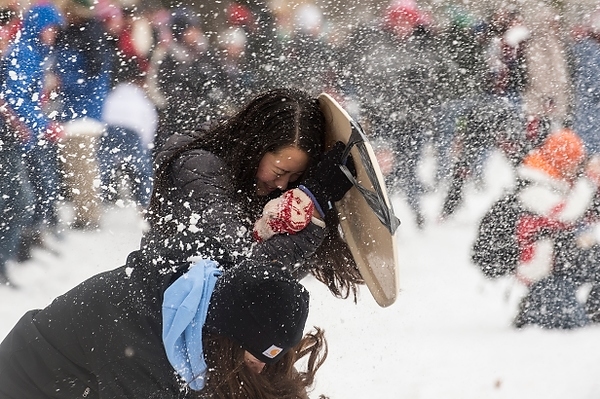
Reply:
x=83, y=66
x=83, y=62
x=28, y=135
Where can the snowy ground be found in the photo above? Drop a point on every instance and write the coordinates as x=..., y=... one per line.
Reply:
x=447, y=336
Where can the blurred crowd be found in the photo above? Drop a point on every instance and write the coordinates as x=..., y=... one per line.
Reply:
x=91, y=87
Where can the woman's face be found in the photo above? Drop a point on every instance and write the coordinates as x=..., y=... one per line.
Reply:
x=277, y=169
x=48, y=35
x=253, y=363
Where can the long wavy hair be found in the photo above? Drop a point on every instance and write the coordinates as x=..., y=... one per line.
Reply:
x=229, y=378
x=272, y=121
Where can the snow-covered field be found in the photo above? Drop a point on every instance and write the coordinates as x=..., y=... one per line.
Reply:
x=447, y=336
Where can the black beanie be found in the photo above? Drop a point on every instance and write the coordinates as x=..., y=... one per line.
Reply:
x=182, y=20
x=261, y=307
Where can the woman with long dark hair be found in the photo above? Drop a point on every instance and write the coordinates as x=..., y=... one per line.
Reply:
x=211, y=187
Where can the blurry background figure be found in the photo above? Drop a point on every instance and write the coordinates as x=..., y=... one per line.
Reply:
x=238, y=81
x=555, y=199
x=83, y=63
x=135, y=41
x=308, y=54
x=394, y=69
x=265, y=60
x=507, y=64
x=547, y=94
x=585, y=53
x=463, y=41
x=536, y=235
x=495, y=119
x=283, y=16
x=125, y=146
x=110, y=14
x=163, y=38
x=30, y=135
x=189, y=78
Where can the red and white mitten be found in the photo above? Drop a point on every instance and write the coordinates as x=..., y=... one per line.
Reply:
x=289, y=213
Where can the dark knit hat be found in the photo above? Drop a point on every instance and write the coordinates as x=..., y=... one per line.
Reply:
x=261, y=307
x=183, y=19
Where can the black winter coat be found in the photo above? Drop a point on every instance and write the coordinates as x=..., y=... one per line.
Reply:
x=201, y=217
x=102, y=339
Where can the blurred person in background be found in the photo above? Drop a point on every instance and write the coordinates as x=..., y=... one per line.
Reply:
x=265, y=59
x=548, y=91
x=585, y=68
x=161, y=28
x=83, y=62
x=308, y=53
x=135, y=41
x=556, y=197
x=394, y=69
x=110, y=14
x=189, y=78
x=495, y=119
x=542, y=234
x=232, y=56
x=463, y=41
x=126, y=143
x=31, y=137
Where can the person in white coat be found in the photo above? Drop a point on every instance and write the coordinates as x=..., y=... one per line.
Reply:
x=124, y=150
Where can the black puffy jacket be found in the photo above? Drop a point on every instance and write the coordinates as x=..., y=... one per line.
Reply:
x=201, y=217
x=102, y=340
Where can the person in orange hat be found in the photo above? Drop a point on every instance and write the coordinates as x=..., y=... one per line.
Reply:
x=560, y=155
x=553, y=199
x=554, y=193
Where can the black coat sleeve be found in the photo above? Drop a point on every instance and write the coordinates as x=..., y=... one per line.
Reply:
x=208, y=221
x=102, y=339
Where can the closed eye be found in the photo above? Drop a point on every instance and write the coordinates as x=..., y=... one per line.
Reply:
x=295, y=176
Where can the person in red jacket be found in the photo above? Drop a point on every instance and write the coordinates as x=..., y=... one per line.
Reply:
x=554, y=262
x=552, y=201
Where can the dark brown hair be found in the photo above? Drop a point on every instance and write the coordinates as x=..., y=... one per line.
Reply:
x=270, y=122
x=333, y=263
x=229, y=378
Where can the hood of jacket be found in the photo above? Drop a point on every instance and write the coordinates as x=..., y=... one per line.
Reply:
x=37, y=19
